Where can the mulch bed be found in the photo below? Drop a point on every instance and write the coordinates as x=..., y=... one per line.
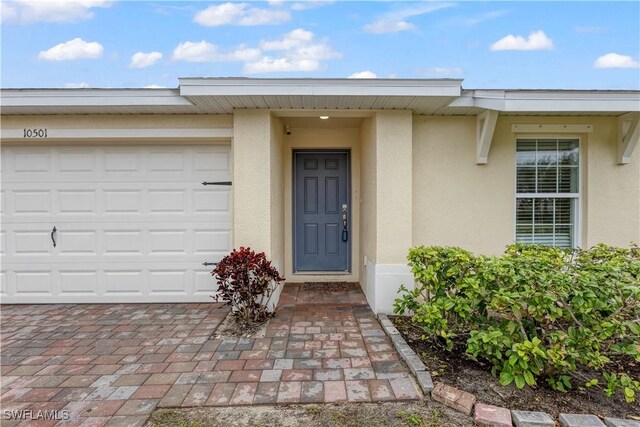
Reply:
x=231, y=328
x=454, y=369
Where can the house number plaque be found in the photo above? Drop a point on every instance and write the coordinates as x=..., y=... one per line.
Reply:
x=35, y=133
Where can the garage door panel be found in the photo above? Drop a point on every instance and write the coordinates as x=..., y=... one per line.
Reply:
x=212, y=242
x=123, y=201
x=78, y=282
x=30, y=241
x=31, y=202
x=32, y=161
x=208, y=161
x=211, y=200
x=123, y=242
x=78, y=161
x=169, y=281
x=77, y=202
x=124, y=281
x=204, y=283
x=133, y=223
x=80, y=243
x=28, y=281
x=167, y=161
x=167, y=201
x=165, y=242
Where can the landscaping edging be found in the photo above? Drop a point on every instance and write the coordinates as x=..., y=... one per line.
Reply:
x=486, y=415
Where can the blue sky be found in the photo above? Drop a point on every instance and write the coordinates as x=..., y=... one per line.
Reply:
x=493, y=45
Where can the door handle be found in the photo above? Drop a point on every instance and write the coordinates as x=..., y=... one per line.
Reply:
x=345, y=231
x=53, y=239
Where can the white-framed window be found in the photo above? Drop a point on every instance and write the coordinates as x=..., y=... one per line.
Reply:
x=547, y=191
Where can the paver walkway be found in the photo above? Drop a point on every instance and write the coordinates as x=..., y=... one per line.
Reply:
x=113, y=364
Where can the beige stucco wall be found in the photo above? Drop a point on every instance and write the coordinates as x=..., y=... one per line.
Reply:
x=456, y=202
x=368, y=182
x=252, y=180
x=277, y=193
x=393, y=186
x=339, y=138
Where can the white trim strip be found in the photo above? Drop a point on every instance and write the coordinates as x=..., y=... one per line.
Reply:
x=628, y=136
x=129, y=134
x=537, y=128
x=91, y=97
x=485, y=127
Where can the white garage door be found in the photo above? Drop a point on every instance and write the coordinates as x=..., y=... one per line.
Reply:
x=133, y=224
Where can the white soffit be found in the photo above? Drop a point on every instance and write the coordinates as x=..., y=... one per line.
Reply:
x=543, y=101
x=319, y=87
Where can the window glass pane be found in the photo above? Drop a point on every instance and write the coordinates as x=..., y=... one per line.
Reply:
x=547, y=152
x=543, y=235
x=524, y=234
x=568, y=152
x=526, y=180
x=546, y=165
x=543, y=211
x=564, y=236
x=563, y=212
x=547, y=179
x=524, y=211
x=567, y=179
x=526, y=152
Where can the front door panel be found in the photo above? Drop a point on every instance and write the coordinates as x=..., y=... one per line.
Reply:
x=321, y=189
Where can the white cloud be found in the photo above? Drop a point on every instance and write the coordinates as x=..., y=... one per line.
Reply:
x=268, y=64
x=71, y=50
x=296, y=51
x=615, y=60
x=291, y=40
x=388, y=26
x=144, y=59
x=363, y=75
x=30, y=11
x=194, y=52
x=206, y=52
x=478, y=19
x=155, y=87
x=310, y=4
x=81, y=85
x=239, y=14
x=443, y=71
x=537, y=40
x=396, y=21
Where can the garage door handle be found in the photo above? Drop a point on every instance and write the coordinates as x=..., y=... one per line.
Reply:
x=217, y=183
x=206, y=264
x=53, y=239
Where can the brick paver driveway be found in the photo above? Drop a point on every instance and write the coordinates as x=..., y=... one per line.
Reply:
x=113, y=364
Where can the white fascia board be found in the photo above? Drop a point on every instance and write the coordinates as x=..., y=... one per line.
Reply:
x=14, y=135
x=91, y=97
x=551, y=101
x=319, y=87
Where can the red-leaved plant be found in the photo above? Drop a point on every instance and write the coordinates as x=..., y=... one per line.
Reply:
x=246, y=281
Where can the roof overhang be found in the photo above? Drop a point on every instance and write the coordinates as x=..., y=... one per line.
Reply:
x=318, y=87
x=543, y=101
x=224, y=95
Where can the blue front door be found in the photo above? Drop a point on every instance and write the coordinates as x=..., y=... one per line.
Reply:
x=322, y=219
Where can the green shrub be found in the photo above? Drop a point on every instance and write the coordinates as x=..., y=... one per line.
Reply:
x=534, y=313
